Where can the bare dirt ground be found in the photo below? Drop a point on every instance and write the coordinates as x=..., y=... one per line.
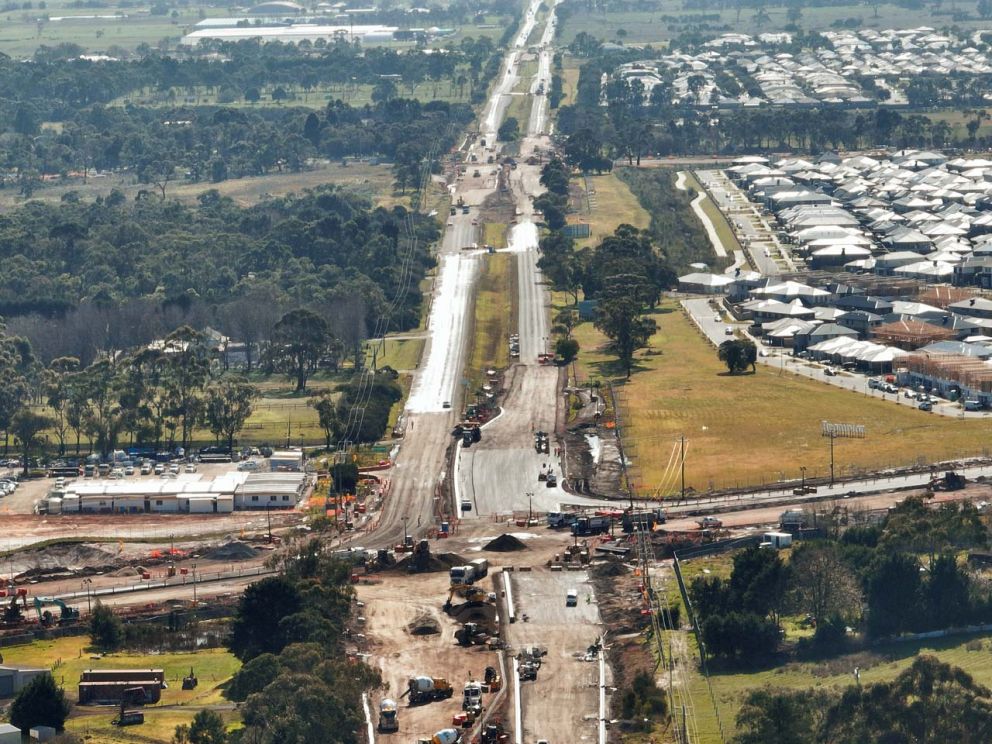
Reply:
x=390, y=607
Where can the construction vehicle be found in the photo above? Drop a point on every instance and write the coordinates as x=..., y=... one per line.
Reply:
x=444, y=736
x=527, y=671
x=67, y=615
x=471, y=634
x=190, y=681
x=134, y=696
x=493, y=680
x=388, y=721
x=552, y=480
x=423, y=689
x=793, y=519
x=481, y=568
x=950, y=481
x=468, y=592
x=421, y=558
x=472, y=695
x=557, y=520
x=468, y=431
x=541, y=442
x=406, y=546
x=642, y=520
x=462, y=575
x=493, y=733
x=585, y=526
x=12, y=614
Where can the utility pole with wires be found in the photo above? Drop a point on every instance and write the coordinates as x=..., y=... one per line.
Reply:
x=842, y=431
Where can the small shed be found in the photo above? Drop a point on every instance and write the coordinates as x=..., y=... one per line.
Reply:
x=9, y=734
x=778, y=540
x=42, y=733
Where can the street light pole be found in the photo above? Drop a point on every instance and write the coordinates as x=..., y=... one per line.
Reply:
x=802, y=487
x=194, y=584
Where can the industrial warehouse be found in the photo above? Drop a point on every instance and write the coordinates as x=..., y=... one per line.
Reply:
x=182, y=495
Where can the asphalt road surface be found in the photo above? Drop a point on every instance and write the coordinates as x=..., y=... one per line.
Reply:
x=562, y=704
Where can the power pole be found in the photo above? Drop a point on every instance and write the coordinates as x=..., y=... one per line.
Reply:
x=682, y=440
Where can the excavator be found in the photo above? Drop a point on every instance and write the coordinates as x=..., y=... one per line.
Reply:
x=468, y=592
x=12, y=614
x=67, y=615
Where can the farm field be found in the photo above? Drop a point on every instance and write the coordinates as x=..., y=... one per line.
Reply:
x=754, y=429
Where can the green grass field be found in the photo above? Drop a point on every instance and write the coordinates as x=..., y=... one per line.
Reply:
x=401, y=354
x=614, y=205
x=753, y=429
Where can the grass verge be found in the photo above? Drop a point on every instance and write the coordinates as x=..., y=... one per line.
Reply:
x=493, y=316
x=720, y=224
x=753, y=429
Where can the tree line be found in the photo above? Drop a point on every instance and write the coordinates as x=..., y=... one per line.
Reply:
x=113, y=274
x=901, y=577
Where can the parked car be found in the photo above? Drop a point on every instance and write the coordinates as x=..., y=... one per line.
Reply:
x=146, y=468
x=191, y=467
x=159, y=468
x=710, y=523
x=248, y=465
x=829, y=372
x=925, y=406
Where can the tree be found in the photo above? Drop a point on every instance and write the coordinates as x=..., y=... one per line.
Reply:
x=738, y=354
x=300, y=340
x=40, y=703
x=781, y=716
x=106, y=629
x=253, y=677
x=255, y=629
x=893, y=594
x=620, y=319
x=187, y=369
x=207, y=728
x=509, y=130
x=567, y=349
x=26, y=426
x=58, y=383
x=327, y=413
x=228, y=406
x=384, y=90
x=822, y=584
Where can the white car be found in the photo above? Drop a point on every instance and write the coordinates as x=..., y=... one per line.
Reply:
x=129, y=470
x=174, y=469
x=146, y=468
x=248, y=465
x=159, y=468
x=117, y=473
x=191, y=467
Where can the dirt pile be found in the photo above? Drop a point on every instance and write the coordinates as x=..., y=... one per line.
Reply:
x=232, y=551
x=608, y=569
x=505, y=543
x=424, y=624
x=434, y=564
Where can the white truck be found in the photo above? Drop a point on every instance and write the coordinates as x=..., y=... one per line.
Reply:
x=387, y=716
x=472, y=695
x=462, y=574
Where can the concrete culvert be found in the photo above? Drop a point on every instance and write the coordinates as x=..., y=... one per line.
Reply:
x=505, y=544
x=424, y=625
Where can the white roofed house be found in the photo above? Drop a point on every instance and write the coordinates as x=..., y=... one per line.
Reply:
x=702, y=283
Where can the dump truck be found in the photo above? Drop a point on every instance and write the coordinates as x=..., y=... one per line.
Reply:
x=642, y=520
x=424, y=689
x=557, y=520
x=462, y=575
x=584, y=526
x=480, y=567
x=387, y=716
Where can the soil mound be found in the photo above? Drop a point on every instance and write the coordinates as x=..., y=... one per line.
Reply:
x=505, y=543
x=608, y=569
x=232, y=551
x=424, y=625
x=435, y=563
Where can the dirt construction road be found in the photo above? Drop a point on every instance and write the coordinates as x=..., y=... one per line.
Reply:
x=563, y=703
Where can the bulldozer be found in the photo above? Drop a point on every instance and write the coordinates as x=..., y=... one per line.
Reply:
x=67, y=615
x=423, y=689
x=190, y=682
